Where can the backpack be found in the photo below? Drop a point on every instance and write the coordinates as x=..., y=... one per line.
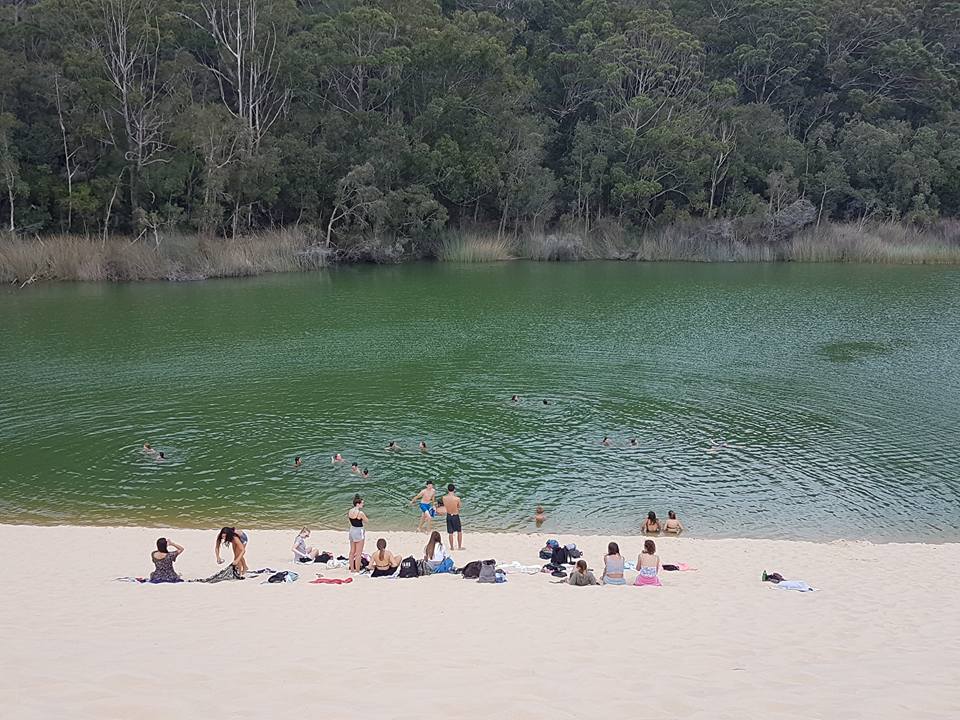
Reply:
x=573, y=553
x=560, y=556
x=546, y=553
x=488, y=572
x=283, y=576
x=408, y=568
x=471, y=571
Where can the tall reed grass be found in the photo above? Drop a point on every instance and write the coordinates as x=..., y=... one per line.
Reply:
x=474, y=247
x=177, y=257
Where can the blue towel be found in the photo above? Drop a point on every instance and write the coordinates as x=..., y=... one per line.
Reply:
x=799, y=585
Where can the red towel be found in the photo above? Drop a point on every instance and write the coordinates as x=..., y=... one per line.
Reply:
x=331, y=581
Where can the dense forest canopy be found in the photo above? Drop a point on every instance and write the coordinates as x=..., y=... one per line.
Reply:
x=397, y=118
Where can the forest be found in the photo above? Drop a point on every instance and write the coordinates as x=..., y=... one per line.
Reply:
x=396, y=121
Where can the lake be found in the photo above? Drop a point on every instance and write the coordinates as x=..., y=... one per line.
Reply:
x=830, y=395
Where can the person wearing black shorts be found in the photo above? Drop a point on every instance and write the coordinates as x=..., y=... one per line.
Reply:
x=451, y=503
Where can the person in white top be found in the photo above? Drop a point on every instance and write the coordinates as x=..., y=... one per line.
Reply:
x=435, y=554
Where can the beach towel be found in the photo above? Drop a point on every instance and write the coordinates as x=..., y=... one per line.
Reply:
x=230, y=572
x=517, y=567
x=128, y=578
x=677, y=567
x=331, y=581
x=798, y=585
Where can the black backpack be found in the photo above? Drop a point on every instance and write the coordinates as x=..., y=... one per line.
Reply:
x=471, y=571
x=546, y=554
x=409, y=568
x=560, y=556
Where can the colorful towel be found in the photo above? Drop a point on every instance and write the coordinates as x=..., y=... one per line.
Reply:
x=331, y=581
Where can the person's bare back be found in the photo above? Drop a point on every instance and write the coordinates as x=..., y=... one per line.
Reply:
x=451, y=503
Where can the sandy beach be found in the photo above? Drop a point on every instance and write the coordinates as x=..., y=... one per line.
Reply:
x=879, y=639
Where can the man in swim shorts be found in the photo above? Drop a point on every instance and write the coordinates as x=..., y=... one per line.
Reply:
x=427, y=512
x=451, y=504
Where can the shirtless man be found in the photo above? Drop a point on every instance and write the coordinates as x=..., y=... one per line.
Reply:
x=427, y=512
x=451, y=503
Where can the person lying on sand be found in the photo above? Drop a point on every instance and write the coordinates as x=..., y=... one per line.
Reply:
x=301, y=551
x=582, y=577
x=384, y=562
x=613, y=566
x=237, y=540
x=672, y=525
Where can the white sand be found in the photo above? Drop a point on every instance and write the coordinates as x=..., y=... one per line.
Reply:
x=881, y=638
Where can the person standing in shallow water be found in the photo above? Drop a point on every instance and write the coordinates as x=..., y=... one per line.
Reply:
x=426, y=497
x=451, y=504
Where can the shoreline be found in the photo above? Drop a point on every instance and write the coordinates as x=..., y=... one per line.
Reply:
x=712, y=643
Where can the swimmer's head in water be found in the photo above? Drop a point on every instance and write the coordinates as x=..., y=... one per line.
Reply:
x=423, y=445
x=366, y=473
x=451, y=487
x=539, y=509
x=633, y=441
x=162, y=544
x=353, y=465
x=515, y=398
x=430, y=483
x=297, y=460
x=546, y=402
x=146, y=446
x=162, y=456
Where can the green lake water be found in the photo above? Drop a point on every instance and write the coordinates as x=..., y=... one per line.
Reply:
x=836, y=389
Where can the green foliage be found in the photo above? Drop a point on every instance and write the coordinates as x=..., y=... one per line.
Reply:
x=394, y=120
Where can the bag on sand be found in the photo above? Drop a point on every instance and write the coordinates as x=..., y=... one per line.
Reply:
x=573, y=553
x=471, y=571
x=408, y=568
x=560, y=556
x=488, y=572
x=546, y=553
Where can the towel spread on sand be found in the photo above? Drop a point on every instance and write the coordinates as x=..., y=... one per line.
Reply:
x=331, y=581
x=798, y=585
x=517, y=567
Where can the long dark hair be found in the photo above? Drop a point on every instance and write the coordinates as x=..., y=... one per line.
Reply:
x=227, y=535
x=162, y=544
x=652, y=516
x=357, y=499
x=381, y=548
x=613, y=549
x=649, y=547
x=432, y=545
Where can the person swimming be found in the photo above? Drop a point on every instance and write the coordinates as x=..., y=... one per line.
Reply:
x=546, y=402
x=297, y=462
x=540, y=516
x=365, y=474
x=392, y=446
x=354, y=468
x=515, y=398
x=633, y=442
x=161, y=457
x=423, y=446
x=605, y=442
x=717, y=446
x=338, y=458
x=148, y=449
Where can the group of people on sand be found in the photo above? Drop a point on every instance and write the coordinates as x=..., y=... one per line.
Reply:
x=449, y=505
x=163, y=557
x=648, y=568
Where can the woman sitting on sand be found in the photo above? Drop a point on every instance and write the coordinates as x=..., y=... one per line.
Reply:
x=384, y=562
x=301, y=551
x=435, y=554
x=672, y=526
x=648, y=565
x=357, y=518
x=581, y=577
x=163, y=561
x=613, y=566
x=237, y=540
x=651, y=526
